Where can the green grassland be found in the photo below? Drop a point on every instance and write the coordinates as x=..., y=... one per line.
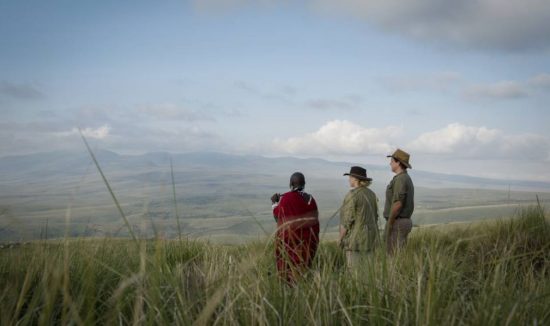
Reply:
x=221, y=206
x=483, y=273
x=221, y=198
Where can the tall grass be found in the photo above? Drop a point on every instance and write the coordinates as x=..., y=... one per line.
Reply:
x=487, y=274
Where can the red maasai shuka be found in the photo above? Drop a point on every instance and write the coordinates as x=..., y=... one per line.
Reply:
x=297, y=234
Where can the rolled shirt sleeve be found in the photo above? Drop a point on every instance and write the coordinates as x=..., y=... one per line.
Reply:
x=399, y=191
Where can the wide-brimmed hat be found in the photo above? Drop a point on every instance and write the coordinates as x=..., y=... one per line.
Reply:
x=401, y=156
x=359, y=173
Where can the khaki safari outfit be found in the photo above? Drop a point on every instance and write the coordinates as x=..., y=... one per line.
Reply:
x=359, y=217
x=400, y=189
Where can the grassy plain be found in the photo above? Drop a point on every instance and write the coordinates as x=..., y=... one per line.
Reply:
x=486, y=273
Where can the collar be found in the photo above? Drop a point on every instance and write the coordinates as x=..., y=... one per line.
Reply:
x=400, y=173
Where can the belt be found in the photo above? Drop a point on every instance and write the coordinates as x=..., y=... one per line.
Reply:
x=398, y=217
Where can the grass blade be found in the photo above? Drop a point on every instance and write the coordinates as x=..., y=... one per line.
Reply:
x=117, y=204
x=175, y=201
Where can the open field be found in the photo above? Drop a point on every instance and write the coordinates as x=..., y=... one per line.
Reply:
x=487, y=273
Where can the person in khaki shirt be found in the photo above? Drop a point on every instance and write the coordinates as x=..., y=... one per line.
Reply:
x=358, y=219
x=399, y=205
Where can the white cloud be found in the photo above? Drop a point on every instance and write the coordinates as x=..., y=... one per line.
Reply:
x=498, y=90
x=98, y=133
x=485, y=24
x=460, y=141
x=453, y=138
x=340, y=137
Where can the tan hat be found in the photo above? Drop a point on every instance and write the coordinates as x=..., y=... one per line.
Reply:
x=401, y=156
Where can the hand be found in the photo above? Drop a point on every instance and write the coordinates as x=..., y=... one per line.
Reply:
x=275, y=198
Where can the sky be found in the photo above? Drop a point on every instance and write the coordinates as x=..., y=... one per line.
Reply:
x=463, y=86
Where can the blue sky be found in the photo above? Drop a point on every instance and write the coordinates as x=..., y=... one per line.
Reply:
x=464, y=87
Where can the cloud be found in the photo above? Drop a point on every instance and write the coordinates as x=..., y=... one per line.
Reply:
x=116, y=134
x=288, y=94
x=499, y=90
x=327, y=104
x=93, y=133
x=173, y=139
x=174, y=112
x=244, y=86
x=98, y=133
x=460, y=141
x=512, y=25
x=340, y=137
x=541, y=81
x=282, y=94
x=232, y=113
x=345, y=103
x=456, y=84
x=46, y=114
x=93, y=115
x=41, y=136
x=226, y=5
x=439, y=81
x=20, y=91
x=289, y=90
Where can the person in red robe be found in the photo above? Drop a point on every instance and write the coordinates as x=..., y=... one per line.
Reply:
x=297, y=236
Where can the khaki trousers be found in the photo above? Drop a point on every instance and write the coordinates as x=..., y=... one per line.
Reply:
x=398, y=236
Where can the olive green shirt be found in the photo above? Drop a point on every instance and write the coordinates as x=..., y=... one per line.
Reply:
x=401, y=189
x=359, y=216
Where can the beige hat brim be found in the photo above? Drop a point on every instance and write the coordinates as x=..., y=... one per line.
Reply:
x=404, y=163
